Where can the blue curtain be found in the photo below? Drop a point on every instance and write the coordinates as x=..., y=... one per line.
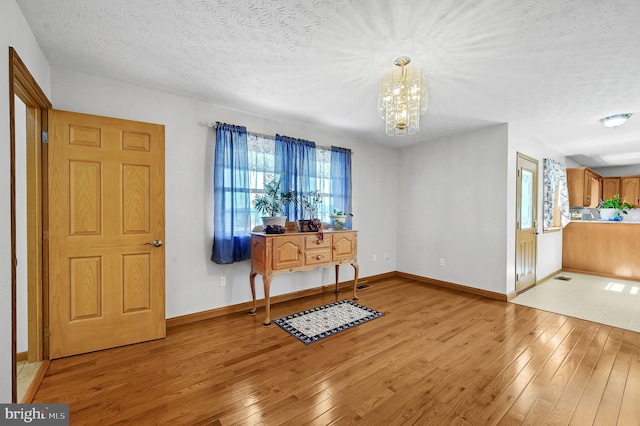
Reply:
x=296, y=164
x=341, y=181
x=232, y=207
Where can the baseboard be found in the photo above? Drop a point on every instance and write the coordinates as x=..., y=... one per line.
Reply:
x=598, y=274
x=246, y=306
x=346, y=285
x=36, y=382
x=22, y=356
x=548, y=277
x=514, y=293
x=458, y=287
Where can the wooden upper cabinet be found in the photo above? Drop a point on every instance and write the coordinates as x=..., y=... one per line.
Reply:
x=610, y=187
x=584, y=187
x=630, y=190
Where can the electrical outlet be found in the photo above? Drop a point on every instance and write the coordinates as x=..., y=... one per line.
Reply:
x=441, y=262
x=375, y=257
x=223, y=281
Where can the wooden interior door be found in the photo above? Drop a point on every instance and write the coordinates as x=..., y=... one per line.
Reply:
x=526, y=222
x=106, y=203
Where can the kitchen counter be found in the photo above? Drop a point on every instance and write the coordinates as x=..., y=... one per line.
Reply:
x=588, y=246
x=622, y=222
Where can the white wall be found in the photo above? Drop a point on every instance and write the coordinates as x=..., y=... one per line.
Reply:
x=13, y=32
x=452, y=196
x=457, y=201
x=191, y=277
x=549, y=244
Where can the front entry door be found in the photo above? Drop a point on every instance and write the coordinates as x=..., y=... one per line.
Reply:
x=526, y=222
x=106, y=224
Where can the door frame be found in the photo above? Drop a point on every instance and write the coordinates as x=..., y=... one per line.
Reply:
x=23, y=85
x=536, y=189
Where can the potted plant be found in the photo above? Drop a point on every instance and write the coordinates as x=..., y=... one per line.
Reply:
x=272, y=203
x=611, y=208
x=338, y=219
x=309, y=203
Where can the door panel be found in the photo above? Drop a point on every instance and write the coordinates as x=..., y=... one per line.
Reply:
x=526, y=222
x=106, y=198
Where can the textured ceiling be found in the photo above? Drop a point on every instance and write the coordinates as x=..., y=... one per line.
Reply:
x=552, y=68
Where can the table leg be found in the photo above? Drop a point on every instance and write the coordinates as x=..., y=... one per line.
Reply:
x=252, y=281
x=267, y=300
x=337, y=289
x=355, y=279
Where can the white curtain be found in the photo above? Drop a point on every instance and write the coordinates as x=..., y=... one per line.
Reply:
x=555, y=195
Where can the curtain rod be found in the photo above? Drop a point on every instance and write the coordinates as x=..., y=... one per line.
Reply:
x=213, y=125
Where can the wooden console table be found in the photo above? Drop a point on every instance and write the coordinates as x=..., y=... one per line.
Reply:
x=273, y=254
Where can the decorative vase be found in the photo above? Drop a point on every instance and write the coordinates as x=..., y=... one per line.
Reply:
x=338, y=221
x=274, y=224
x=609, y=214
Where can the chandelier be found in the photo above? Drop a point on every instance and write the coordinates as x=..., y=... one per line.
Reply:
x=402, y=99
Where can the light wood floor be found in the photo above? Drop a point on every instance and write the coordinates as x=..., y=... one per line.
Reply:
x=437, y=357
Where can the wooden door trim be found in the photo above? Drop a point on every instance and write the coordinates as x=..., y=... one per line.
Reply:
x=23, y=85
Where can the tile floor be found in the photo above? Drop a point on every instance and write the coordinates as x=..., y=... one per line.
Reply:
x=26, y=371
x=599, y=299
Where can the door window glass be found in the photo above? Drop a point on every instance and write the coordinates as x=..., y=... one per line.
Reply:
x=526, y=210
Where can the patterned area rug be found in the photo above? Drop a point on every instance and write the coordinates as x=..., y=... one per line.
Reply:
x=315, y=324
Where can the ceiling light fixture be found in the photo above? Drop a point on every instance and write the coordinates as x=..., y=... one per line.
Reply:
x=615, y=120
x=402, y=99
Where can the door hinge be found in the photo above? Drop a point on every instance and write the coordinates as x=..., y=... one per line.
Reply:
x=45, y=137
x=518, y=173
x=517, y=277
x=46, y=332
x=45, y=235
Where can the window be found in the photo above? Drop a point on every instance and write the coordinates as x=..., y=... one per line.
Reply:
x=243, y=163
x=261, y=151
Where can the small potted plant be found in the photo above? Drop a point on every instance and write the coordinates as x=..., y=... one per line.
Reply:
x=310, y=203
x=272, y=203
x=611, y=208
x=338, y=219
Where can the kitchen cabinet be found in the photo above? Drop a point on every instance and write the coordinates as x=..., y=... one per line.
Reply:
x=610, y=187
x=273, y=254
x=630, y=190
x=584, y=187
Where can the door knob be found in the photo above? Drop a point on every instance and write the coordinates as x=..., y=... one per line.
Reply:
x=155, y=243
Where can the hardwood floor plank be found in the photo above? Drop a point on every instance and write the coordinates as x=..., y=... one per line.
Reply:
x=630, y=409
x=609, y=408
x=437, y=357
x=474, y=399
x=561, y=377
x=565, y=405
x=587, y=407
